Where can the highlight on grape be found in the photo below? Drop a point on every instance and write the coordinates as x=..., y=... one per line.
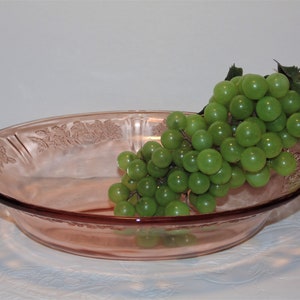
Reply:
x=242, y=135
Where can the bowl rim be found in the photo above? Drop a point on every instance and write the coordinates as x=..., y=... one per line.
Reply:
x=83, y=114
x=82, y=217
x=209, y=218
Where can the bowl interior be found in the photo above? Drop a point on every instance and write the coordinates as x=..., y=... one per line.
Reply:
x=55, y=174
x=68, y=163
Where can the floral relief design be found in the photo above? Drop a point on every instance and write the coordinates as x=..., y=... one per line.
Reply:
x=292, y=181
x=62, y=136
x=4, y=158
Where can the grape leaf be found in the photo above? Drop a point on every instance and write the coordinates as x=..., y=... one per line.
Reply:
x=292, y=73
x=233, y=72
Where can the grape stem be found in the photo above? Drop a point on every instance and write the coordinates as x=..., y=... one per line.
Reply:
x=185, y=136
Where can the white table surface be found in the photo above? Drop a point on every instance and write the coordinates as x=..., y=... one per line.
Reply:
x=267, y=266
x=65, y=57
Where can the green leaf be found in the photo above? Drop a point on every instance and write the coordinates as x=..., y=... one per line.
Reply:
x=233, y=72
x=292, y=73
x=201, y=112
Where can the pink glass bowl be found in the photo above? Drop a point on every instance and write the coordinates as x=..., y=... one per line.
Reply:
x=54, y=177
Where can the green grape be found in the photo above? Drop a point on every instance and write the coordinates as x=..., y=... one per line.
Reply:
x=186, y=239
x=253, y=159
x=128, y=182
x=147, y=240
x=238, y=177
x=192, y=198
x=148, y=148
x=260, y=123
x=137, y=169
x=186, y=145
x=118, y=192
x=133, y=199
x=198, y=183
x=234, y=124
x=231, y=150
x=248, y=133
x=194, y=122
x=160, y=211
x=271, y=144
x=171, y=139
x=219, y=131
x=288, y=141
x=215, y=112
x=170, y=241
x=146, y=187
x=164, y=195
x=178, y=181
x=278, y=85
x=124, y=209
x=237, y=80
x=124, y=158
x=206, y=203
x=254, y=86
x=202, y=139
x=260, y=178
x=224, y=91
x=219, y=190
x=139, y=154
x=293, y=125
x=284, y=164
x=189, y=161
x=146, y=207
x=156, y=171
x=179, y=240
x=176, y=120
x=278, y=124
x=177, y=156
x=211, y=99
x=177, y=208
x=290, y=102
x=161, y=157
x=268, y=108
x=223, y=175
x=241, y=107
x=209, y=161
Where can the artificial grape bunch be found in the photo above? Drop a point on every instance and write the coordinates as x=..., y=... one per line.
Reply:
x=242, y=135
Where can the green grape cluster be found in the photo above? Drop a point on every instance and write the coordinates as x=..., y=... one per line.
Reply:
x=243, y=135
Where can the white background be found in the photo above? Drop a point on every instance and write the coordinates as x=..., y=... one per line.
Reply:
x=65, y=57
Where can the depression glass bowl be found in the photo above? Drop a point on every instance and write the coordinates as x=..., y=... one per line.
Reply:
x=54, y=177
